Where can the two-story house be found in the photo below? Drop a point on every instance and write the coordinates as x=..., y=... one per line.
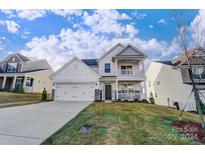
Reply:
x=169, y=81
x=117, y=75
x=18, y=72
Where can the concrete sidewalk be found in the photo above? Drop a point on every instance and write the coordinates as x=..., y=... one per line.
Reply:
x=31, y=124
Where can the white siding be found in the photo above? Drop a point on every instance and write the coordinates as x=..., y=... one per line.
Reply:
x=76, y=71
x=75, y=82
x=108, y=59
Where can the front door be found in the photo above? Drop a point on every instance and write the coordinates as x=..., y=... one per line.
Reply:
x=108, y=90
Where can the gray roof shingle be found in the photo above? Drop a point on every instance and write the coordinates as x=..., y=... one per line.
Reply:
x=90, y=62
x=36, y=65
x=166, y=63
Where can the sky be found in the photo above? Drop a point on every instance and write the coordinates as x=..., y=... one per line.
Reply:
x=57, y=35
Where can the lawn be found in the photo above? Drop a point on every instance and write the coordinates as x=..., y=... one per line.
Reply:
x=124, y=123
x=8, y=99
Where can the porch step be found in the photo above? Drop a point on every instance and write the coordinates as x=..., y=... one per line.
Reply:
x=108, y=101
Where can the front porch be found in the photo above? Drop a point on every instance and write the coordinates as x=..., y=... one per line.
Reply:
x=121, y=90
x=16, y=83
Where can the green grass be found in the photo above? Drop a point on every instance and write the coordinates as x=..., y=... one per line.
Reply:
x=8, y=99
x=123, y=123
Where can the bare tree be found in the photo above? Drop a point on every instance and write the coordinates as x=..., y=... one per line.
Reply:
x=187, y=42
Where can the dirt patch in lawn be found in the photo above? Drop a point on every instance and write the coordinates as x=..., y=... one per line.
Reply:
x=190, y=129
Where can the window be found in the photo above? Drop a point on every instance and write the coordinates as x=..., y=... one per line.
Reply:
x=29, y=82
x=12, y=67
x=198, y=72
x=126, y=70
x=107, y=68
x=19, y=82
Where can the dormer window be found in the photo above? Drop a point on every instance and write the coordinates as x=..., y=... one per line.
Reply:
x=12, y=67
x=107, y=67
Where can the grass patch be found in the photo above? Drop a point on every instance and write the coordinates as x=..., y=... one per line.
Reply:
x=123, y=123
x=8, y=99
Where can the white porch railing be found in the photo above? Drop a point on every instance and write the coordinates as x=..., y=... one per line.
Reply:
x=132, y=73
x=126, y=95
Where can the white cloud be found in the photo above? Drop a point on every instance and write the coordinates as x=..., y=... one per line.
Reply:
x=92, y=43
x=33, y=14
x=131, y=30
x=58, y=49
x=162, y=22
x=139, y=16
x=151, y=26
x=25, y=34
x=197, y=29
x=12, y=26
x=67, y=13
x=10, y=13
x=107, y=21
x=1, y=44
x=125, y=16
x=29, y=14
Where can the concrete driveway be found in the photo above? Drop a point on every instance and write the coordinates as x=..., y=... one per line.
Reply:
x=31, y=124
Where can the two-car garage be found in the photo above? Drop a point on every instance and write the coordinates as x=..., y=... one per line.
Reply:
x=75, y=81
x=75, y=92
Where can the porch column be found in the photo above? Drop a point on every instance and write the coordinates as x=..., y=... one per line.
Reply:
x=145, y=87
x=24, y=81
x=116, y=89
x=4, y=82
x=143, y=67
x=145, y=90
x=116, y=73
x=14, y=82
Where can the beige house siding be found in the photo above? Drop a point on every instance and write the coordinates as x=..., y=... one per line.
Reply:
x=41, y=80
x=167, y=86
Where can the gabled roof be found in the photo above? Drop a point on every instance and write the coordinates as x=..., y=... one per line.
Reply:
x=21, y=57
x=183, y=58
x=134, y=52
x=68, y=63
x=118, y=44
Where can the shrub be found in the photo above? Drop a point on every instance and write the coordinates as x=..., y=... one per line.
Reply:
x=44, y=95
x=98, y=101
x=151, y=98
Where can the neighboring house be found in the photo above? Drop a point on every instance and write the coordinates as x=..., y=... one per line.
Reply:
x=118, y=74
x=169, y=81
x=18, y=71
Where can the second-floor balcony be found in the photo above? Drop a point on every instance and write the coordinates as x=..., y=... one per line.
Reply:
x=134, y=74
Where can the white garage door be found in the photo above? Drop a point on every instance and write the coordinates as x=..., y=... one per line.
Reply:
x=75, y=92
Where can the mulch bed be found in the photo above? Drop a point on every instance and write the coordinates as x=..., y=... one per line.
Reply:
x=190, y=129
